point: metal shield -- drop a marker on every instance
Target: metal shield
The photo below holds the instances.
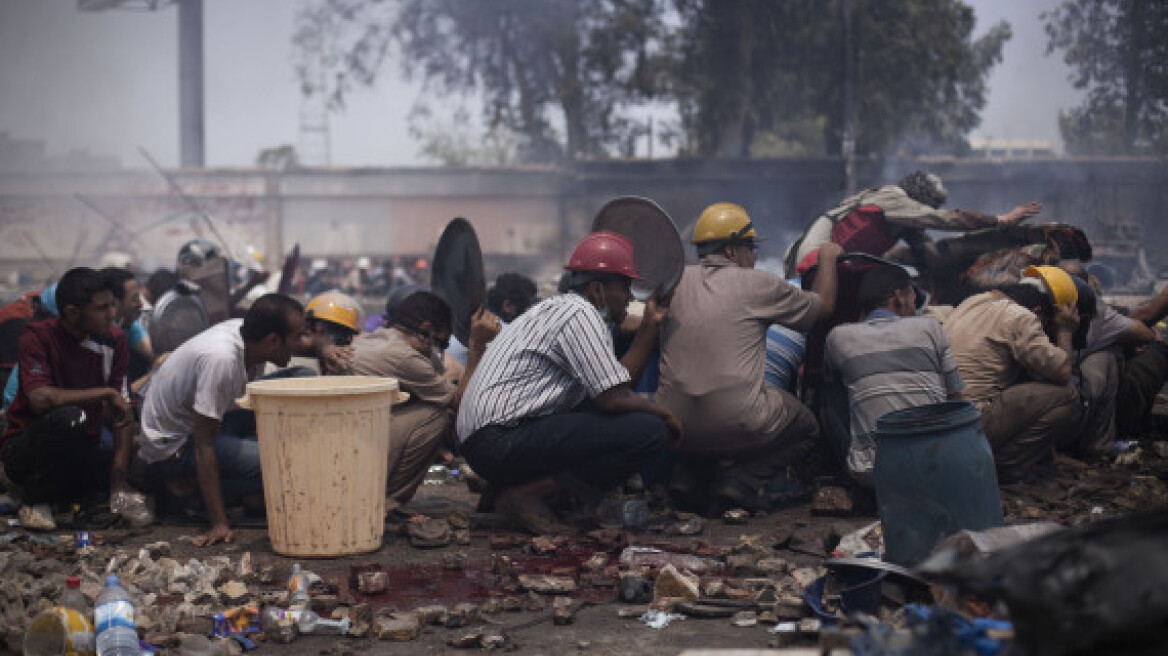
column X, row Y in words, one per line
column 457, row 274
column 657, row 248
column 288, row 273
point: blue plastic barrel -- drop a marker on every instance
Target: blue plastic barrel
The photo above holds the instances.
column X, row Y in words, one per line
column 934, row 477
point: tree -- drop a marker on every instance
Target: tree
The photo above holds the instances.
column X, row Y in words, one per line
column 763, row 72
column 538, row 64
column 1117, row 52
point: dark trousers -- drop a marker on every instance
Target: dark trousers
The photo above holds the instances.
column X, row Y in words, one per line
column 1140, row 380
column 586, row 453
column 54, row 460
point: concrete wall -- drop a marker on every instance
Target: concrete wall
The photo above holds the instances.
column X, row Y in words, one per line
column 520, row 214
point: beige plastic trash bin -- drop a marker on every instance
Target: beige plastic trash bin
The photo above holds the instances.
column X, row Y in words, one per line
column 324, row 446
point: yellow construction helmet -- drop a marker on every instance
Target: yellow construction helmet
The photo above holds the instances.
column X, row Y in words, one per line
column 338, row 308
column 1058, row 283
column 723, row 222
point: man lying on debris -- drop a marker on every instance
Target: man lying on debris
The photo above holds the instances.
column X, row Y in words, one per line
column 72, row 378
column 410, row 350
column 741, row 436
column 1017, row 375
column 1122, row 362
column 550, row 408
column 873, row 220
column 890, row 360
column 191, row 391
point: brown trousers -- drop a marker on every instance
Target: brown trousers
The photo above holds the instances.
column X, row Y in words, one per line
column 417, row 432
column 1025, row 421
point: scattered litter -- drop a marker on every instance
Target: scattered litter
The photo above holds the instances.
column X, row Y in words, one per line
column 656, row 619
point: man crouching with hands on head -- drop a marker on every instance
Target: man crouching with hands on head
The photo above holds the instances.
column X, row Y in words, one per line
column 551, row 409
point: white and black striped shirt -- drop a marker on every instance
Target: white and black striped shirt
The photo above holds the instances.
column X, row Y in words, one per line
column 549, row 360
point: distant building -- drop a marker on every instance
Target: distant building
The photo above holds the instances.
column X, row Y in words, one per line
column 989, row 148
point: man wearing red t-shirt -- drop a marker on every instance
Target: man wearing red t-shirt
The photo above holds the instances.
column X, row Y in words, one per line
column 72, row 369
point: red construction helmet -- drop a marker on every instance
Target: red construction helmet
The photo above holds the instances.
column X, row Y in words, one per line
column 604, row 252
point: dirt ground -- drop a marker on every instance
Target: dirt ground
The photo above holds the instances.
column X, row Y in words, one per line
column 1071, row 496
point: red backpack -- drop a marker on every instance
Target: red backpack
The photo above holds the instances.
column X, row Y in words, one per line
column 863, row 230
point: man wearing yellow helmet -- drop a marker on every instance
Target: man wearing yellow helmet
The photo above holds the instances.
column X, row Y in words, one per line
column 741, row 436
column 1014, row 371
column 335, row 318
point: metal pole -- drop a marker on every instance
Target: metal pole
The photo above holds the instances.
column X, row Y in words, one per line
column 190, row 82
column 848, row 146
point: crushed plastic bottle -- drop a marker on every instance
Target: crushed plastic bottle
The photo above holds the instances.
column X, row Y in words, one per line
column 114, row 621
column 306, row 621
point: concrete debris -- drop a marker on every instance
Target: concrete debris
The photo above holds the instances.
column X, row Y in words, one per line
column 396, row 628
column 805, row 576
column 736, row 516
column 1131, row 458
column 456, row 560
column 550, row 585
column 832, row 501
column 636, row 557
column 435, row 615
column 372, row 583
column 534, row 603
column 746, row 618
column 463, row 615
column 692, row 526
column 233, row 593
column 564, row 611
column 429, row 534
column 672, row 583
column 597, row 562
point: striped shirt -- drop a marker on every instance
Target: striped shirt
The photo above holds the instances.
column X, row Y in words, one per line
column 888, row 363
column 549, row 360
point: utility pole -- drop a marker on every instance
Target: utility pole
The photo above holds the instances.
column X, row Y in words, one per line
column 848, row 145
column 190, row 83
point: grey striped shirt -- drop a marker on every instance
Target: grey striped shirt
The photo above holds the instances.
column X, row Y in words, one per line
column 549, row 360
column 888, row 364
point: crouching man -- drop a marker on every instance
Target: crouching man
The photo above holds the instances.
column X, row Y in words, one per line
column 195, row 387
column 410, row 350
column 550, row 408
column 72, row 377
column 1014, row 371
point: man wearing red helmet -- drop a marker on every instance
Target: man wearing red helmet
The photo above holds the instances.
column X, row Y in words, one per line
column 550, row 408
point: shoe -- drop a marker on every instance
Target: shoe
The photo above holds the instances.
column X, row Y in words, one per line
column 529, row 512
column 37, row 518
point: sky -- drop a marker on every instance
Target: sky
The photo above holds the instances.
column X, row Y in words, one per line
column 106, row 82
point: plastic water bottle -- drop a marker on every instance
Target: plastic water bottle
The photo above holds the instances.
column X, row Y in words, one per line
column 298, row 588
column 72, row 598
column 309, row 622
column 114, row 621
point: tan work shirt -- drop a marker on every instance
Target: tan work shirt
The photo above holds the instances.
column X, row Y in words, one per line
column 385, row 352
column 713, row 353
column 993, row 340
column 900, row 211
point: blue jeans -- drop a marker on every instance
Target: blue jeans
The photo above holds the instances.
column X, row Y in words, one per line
column 239, row 466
